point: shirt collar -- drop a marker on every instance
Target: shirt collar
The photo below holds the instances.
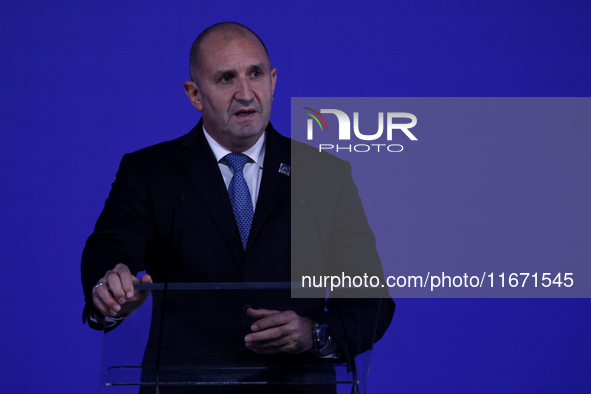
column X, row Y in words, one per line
column 256, row 153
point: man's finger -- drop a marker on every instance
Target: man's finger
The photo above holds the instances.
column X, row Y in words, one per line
column 127, row 280
column 113, row 280
column 274, row 320
column 104, row 294
column 112, row 304
column 283, row 344
column 99, row 304
column 146, row 279
column 260, row 313
column 105, row 301
column 271, row 334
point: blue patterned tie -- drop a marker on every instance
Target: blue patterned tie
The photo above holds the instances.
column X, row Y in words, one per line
column 240, row 195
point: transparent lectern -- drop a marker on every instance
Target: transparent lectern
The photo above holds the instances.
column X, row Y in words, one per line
column 189, row 338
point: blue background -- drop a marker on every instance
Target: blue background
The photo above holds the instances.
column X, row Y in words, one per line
column 83, row 83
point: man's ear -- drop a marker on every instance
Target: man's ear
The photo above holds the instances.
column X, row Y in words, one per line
column 273, row 81
column 194, row 94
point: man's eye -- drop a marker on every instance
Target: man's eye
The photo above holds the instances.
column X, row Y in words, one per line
column 256, row 73
column 226, row 78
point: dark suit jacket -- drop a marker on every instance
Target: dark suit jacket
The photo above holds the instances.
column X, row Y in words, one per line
column 135, row 229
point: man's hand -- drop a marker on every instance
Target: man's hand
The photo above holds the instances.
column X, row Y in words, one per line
column 122, row 300
column 279, row 332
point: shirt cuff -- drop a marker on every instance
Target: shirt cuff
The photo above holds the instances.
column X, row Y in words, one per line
column 98, row 317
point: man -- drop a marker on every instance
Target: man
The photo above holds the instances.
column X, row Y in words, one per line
column 215, row 206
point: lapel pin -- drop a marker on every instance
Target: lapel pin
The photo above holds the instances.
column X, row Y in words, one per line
column 284, row 169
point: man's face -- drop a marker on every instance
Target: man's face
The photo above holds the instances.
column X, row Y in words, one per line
column 235, row 85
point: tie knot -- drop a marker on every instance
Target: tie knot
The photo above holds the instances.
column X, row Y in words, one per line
column 236, row 161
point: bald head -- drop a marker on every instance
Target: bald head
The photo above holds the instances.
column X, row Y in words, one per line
column 230, row 32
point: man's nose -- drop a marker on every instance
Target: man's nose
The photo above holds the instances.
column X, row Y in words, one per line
column 244, row 92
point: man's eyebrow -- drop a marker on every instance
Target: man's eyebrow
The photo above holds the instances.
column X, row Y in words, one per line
column 231, row 72
column 258, row 66
column 220, row 73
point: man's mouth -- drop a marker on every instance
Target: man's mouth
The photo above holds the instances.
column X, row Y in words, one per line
column 244, row 112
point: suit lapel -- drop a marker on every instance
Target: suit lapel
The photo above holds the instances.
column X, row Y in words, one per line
column 273, row 184
column 200, row 166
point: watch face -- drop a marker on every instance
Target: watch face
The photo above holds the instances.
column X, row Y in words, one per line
column 321, row 337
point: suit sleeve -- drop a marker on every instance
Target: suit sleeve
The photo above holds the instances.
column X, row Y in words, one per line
column 357, row 318
column 122, row 233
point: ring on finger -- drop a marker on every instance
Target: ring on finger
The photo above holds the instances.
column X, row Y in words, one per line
column 99, row 284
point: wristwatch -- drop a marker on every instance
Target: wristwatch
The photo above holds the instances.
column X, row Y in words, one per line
column 320, row 335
